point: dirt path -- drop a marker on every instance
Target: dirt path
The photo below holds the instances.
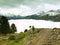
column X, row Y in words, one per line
column 40, row 38
column 43, row 36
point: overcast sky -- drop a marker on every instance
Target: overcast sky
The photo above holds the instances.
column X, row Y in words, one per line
column 27, row 7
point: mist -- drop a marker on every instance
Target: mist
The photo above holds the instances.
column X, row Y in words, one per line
column 27, row 7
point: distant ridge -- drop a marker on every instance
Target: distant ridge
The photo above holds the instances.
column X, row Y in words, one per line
column 40, row 16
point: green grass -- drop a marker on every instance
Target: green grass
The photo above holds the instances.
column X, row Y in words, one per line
column 20, row 39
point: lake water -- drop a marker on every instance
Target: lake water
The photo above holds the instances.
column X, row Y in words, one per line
column 23, row 24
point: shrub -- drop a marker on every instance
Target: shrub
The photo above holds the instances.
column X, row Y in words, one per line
column 25, row 30
column 21, row 35
column 12, row 37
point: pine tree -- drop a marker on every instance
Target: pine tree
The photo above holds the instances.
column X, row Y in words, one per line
column 0, row 26
column 5, row 28
column 13, row 28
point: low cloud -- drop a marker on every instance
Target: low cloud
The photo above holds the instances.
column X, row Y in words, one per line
column 25, row 10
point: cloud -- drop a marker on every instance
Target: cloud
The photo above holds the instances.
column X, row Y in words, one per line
column 51, row 7
column 25, row 10
column 14, row 3
column 20, row 10
column 47, row 7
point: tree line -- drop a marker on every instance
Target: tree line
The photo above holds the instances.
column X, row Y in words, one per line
column 5, row 28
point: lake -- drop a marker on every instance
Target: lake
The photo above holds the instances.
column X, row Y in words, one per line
column 22, row 24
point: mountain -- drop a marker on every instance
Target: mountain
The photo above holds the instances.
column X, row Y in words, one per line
column 53, row 12
column 53, row 15
column 13, row 17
